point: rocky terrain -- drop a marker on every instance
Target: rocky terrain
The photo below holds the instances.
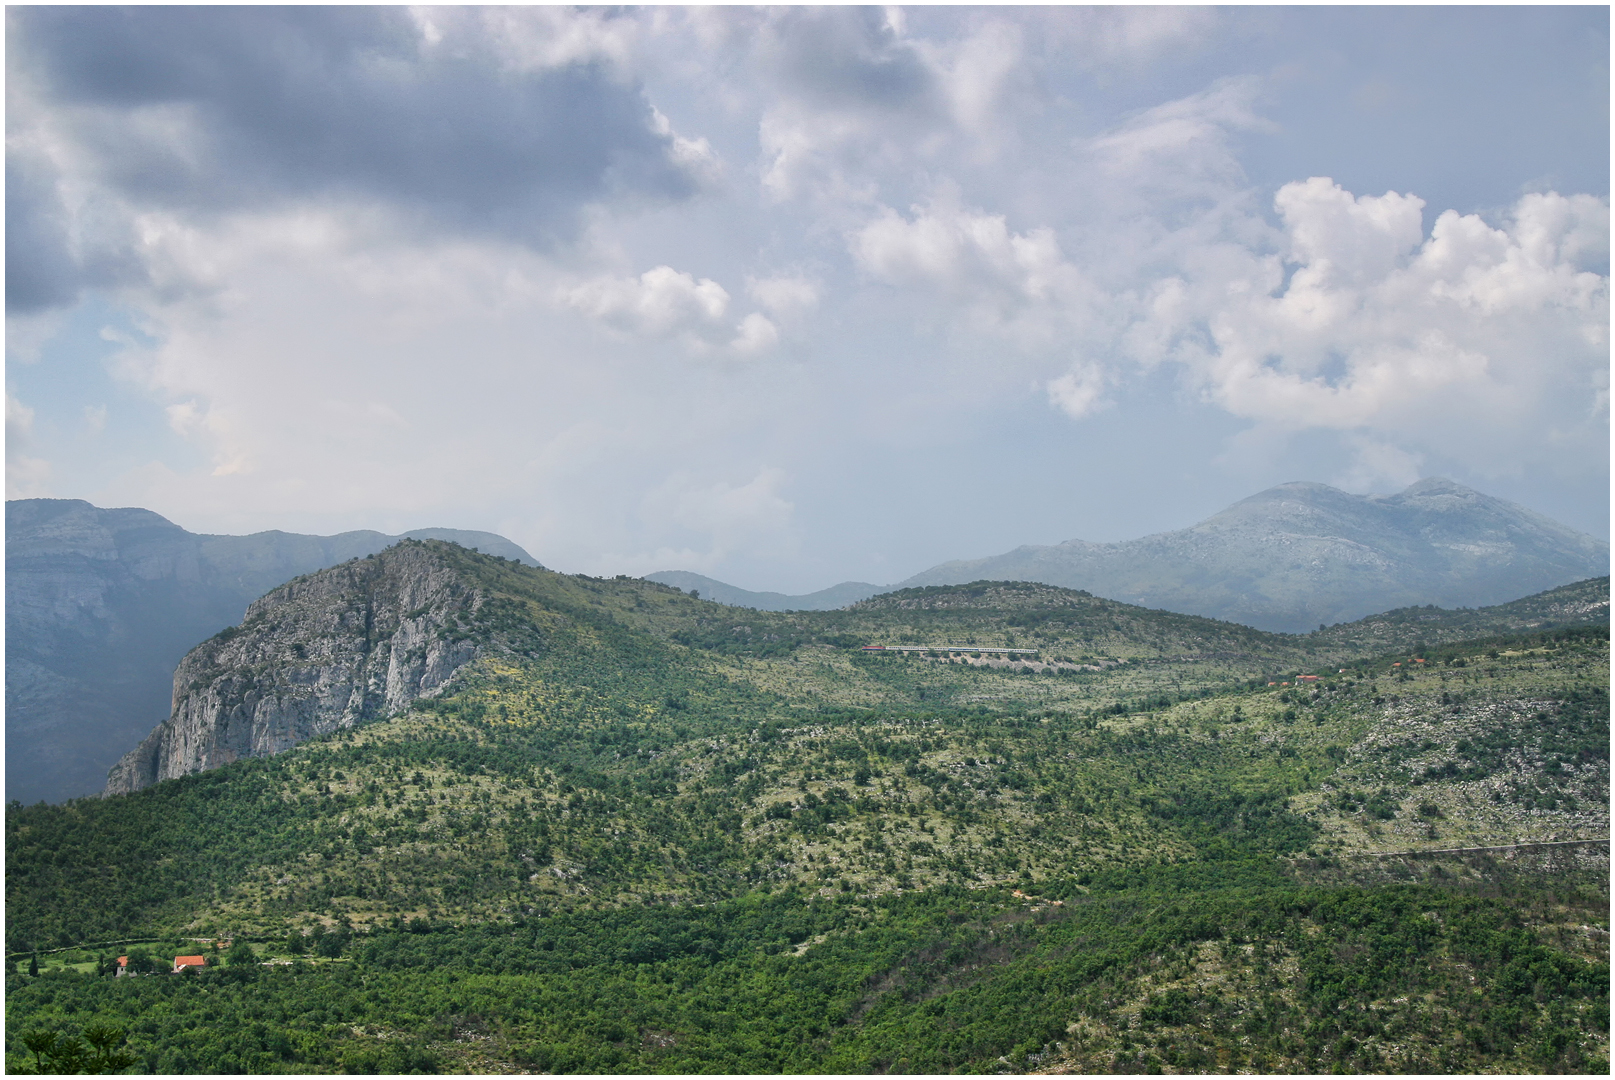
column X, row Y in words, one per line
column 1302, row 555
column 323, row 652
column 102, row 603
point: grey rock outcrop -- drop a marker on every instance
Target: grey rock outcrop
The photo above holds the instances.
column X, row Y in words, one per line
column 102, row 603
column 1299, row 555
column 351, row 643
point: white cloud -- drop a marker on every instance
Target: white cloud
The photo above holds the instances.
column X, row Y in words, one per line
column 1181, row 147
column 667, row 303
column 1467, row 340
column 1079, row 392
column 27, row 476
column 966, row 255
column 754, row 336
column 695, row 156
column 659, row 302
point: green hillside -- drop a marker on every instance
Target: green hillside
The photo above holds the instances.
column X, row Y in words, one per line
column 643, row 822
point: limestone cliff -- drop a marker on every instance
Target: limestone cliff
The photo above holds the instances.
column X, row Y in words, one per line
column 102, row 604
column 350, row 643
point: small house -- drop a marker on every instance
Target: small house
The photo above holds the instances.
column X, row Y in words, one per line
column 183, row 962
column 123, row 966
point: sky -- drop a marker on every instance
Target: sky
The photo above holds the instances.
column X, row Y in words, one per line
column 795, row 296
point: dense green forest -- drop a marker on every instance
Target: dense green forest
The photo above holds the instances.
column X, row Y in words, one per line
column 648, row 833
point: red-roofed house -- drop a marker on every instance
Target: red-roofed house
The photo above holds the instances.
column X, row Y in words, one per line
column 183, row 962
column 123, row 966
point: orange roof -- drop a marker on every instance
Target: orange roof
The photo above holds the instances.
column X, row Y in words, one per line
column 190, row 961
column 123, row 961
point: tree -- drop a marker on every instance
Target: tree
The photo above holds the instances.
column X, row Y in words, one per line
column 240, row 955
column 39, row 1043
column 33, row 965
column 108, row 1041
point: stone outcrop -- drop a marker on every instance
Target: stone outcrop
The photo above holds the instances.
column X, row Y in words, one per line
column 101, row 604
column 351, row 643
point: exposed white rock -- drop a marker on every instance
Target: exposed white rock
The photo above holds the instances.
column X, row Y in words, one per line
column 326, row 651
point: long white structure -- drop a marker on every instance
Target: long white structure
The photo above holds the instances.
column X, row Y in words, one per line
column 940, row 648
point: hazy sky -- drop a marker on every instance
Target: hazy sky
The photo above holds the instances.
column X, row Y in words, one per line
column 801, row 295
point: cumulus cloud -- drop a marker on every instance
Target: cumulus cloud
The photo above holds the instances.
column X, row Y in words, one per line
column 961, row 250
column 1466, row 338
column 667, row 303
column 660, row 301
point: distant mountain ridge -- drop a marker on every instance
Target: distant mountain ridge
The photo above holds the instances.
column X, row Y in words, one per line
column 836, row 596
column 101, row 604
column 1301, row 555
column 1287, row 559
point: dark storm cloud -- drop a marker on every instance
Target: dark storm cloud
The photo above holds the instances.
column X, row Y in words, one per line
column 218, row 109
column 851, row 58
column 40, row 272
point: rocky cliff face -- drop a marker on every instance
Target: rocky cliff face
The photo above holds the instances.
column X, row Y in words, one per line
column 347, row 644
column 102, row 603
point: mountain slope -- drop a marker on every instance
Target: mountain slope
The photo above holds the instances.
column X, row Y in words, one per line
column 100, row 606
column 836, row 596
column 640, row 831
column 1300, row 555
column 526, row 788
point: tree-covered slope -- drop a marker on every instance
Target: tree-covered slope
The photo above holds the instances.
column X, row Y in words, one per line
column 645, row 832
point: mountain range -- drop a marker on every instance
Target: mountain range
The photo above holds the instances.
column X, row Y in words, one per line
column 1288, row 559
column 101, row 604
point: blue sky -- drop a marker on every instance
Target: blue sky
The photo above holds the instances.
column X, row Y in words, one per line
column 794, row 296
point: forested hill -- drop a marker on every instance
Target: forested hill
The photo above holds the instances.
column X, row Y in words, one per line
column 642, row 832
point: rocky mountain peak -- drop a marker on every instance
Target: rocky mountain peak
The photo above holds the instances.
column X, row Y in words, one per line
column 325, row 651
